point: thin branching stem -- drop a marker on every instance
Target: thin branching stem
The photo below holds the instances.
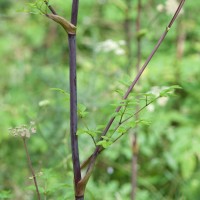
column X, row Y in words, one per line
column 50, row 7
column 86, row 126
column 161, row 39
column 134, row 142
column 142, row 108
column 136, row 113
column 121, row 117
column 31, row 168
column 127, row 119
column 93, row 157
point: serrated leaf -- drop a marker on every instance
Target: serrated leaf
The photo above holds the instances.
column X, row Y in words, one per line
column 91, row 132
column 106, row 137
column 169, row 91
column 100, row 142
column 176, row 87
column 100, row 127
column 81, row 131
column 131, row 124
column 126, row 81
column 82, row 107
column 120, row 92
column 122, row 130
column 88, row 132
column 143, row 122
column 105, row 144
column 67, row 95
column 82, row 110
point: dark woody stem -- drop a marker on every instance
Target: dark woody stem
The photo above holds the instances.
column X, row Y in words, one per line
column 73, row 103
column 73, row 98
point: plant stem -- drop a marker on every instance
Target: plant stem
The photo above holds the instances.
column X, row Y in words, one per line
column 134, row 142
column 145, row 65
column 50, row 7
column 134, row 114
column 73, row 101
column 93, row 157
column 128, row 33
column 73, row 108
column 31, row 168
column 80, row 198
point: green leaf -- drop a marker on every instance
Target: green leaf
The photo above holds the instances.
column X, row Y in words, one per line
column 171, row 161
column 115, row 114
column 5, row 194
column 91, row 132
column 81, row 107
column 120, row 92
column 169, row 91
column 82, row 110
column 122, row 130
column 126, row 81
column 188, row 165
column 131, row 124
column 143, row 122
column 67, row 95
column 105, row 144
column 81, row 132
column 99, row 127
column 37, row 7
column 88, row 132
column 106, row 138
column 142, row 33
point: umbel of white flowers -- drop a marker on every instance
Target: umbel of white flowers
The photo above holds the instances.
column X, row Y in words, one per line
column 23, row 130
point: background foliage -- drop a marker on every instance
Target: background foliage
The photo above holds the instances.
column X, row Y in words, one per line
column 34, row 57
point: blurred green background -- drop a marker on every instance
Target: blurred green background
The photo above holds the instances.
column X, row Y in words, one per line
column 34, row 59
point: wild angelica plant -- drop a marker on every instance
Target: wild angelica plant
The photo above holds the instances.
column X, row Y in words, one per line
column 25, row 132
column 105, row 139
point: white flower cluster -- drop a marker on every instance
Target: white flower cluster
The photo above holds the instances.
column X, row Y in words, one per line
column 170, row 7
column 162, row 101
column 24, row 130
column 111, row 46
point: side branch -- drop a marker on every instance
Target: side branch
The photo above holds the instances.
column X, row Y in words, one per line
column 98, row 149
column 50, row 7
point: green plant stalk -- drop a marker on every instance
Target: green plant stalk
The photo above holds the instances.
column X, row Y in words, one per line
column 31, row 168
